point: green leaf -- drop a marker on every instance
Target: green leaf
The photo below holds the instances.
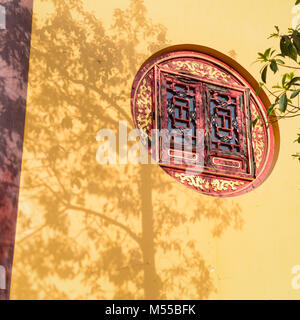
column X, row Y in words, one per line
column 293, row 53
column 284, row 45
column 296, row 40
column 295, row 93
column 264, row 74
column 270, row 109
column 273, row 66
column 283, row 102
column 291, row 75
column 275, row 34
column 297, row 155
column 279, row 61
column 261, row 56
column 287, row 48
column 267, row 53
column 293, row 81
column 283, row 79
column 297, row 2
column 277, row 86
column 264, row 56
column 257, row 91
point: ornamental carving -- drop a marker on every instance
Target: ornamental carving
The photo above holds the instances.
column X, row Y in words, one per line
column 202, row 109
column 258, row 140
column 144, row 106
column 204, row 184
column 193, row 180
column 201, row 69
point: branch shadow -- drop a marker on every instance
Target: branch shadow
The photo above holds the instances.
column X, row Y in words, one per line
column 91, row 231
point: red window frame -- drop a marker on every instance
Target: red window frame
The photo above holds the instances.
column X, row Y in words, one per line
column 237, row 162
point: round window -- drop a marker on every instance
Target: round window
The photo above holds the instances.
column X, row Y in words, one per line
column 195, row 113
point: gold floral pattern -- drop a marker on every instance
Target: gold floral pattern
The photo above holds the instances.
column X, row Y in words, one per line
column 203, row 184
column 224, row 185
column 257, row 137
column 193, row 180
column 202, row 70
column 144, row 102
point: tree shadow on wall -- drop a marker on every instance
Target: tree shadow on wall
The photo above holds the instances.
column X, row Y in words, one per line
column 100, row 228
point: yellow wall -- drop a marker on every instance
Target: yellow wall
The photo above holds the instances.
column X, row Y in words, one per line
column 83, row 228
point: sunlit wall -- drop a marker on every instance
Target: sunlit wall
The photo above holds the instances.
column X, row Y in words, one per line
column 129, row 231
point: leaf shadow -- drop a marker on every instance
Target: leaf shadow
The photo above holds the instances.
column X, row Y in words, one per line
column 91, row 231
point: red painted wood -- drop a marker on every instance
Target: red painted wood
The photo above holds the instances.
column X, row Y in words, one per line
column 14, row 60
column 228, row 167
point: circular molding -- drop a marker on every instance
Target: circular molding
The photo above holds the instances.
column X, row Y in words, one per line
column 229, row 168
